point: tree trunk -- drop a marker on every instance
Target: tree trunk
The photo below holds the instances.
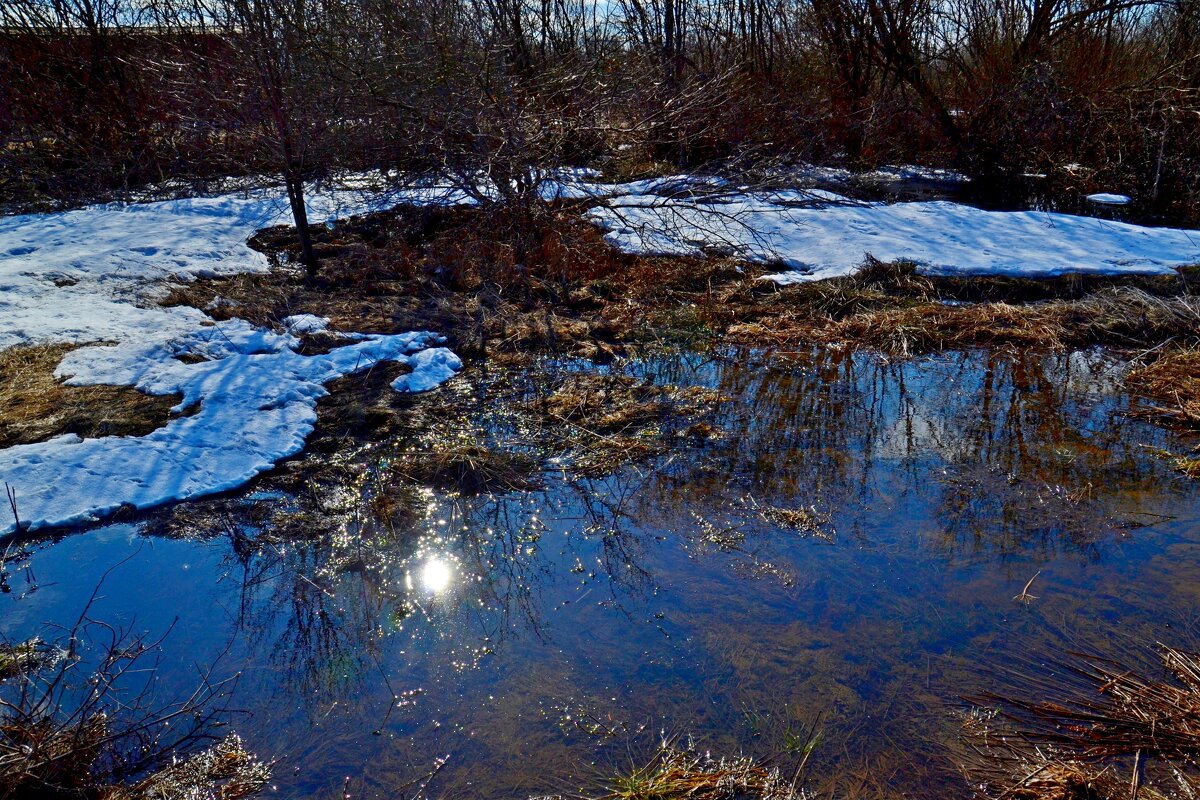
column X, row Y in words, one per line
column 295, row 191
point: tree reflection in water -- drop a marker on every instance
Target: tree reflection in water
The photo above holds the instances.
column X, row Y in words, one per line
column 846, row 548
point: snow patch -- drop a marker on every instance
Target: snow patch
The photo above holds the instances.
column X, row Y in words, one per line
column 249, row 399
column 816, row 235
column 305, row 323
column 254, row 404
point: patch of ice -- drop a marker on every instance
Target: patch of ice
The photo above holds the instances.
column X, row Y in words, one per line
column 1106, row 199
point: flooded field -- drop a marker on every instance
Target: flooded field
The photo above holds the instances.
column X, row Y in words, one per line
column 828, row 554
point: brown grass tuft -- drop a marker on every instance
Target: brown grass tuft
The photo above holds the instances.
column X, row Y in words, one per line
column 225, row 771
column 471, row 469
column 1099, row 729
column 676, row 774
column 35, row 406
column 1172, row 383
column 939, row 327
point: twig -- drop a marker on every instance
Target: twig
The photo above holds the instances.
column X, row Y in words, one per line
column 1025, row 597
column 11, row 492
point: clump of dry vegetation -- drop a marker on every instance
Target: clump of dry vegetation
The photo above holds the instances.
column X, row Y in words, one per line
column 619, row 403
column 906, row 317
column 1099, row 730
column 35, row 405
column 471, row 469
column 676, row 773
column 224, row 771
column 808, row 521
column 601, row 422
column 79, row 720
column 1172, row 382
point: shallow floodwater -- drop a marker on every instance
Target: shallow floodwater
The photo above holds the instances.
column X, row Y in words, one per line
column 532, row 642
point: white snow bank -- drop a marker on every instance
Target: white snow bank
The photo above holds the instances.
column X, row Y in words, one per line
column 90, row 275
column 831, row 237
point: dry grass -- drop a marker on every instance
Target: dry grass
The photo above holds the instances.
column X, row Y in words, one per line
column 676, row 774
column 1121, row 316
column 471, row 469
column 37, row 754
column 1172, row 383
column 940, row 327
column 1127, row 712
column 617, row 403
column 808, row 521
column 225, row 771
column 1189, row 466
column 1099, row 729
column 602, row 422
column 35, row 406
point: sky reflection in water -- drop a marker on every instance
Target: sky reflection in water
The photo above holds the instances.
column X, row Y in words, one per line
column 528, row 635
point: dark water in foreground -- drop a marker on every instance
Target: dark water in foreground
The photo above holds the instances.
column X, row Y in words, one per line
column 536, row 640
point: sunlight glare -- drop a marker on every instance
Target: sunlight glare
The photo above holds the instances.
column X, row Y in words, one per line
column 436, row 575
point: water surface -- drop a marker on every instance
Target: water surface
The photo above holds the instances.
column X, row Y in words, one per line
column 530, row 642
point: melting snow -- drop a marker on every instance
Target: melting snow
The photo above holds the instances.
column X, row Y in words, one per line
column 816, row 235
column 91, row 276
column 249, row 400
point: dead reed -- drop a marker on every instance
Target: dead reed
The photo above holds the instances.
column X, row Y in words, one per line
column 1172, row 383
column 1095, row 730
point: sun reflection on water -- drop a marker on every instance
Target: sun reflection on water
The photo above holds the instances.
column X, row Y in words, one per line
column 436, row 575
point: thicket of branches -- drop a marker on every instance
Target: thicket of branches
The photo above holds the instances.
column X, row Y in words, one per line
column 101, row 95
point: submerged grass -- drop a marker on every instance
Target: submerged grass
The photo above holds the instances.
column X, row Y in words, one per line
column 25, row 657
column 1098, row 729
column 35, row 405
column 602, row 422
